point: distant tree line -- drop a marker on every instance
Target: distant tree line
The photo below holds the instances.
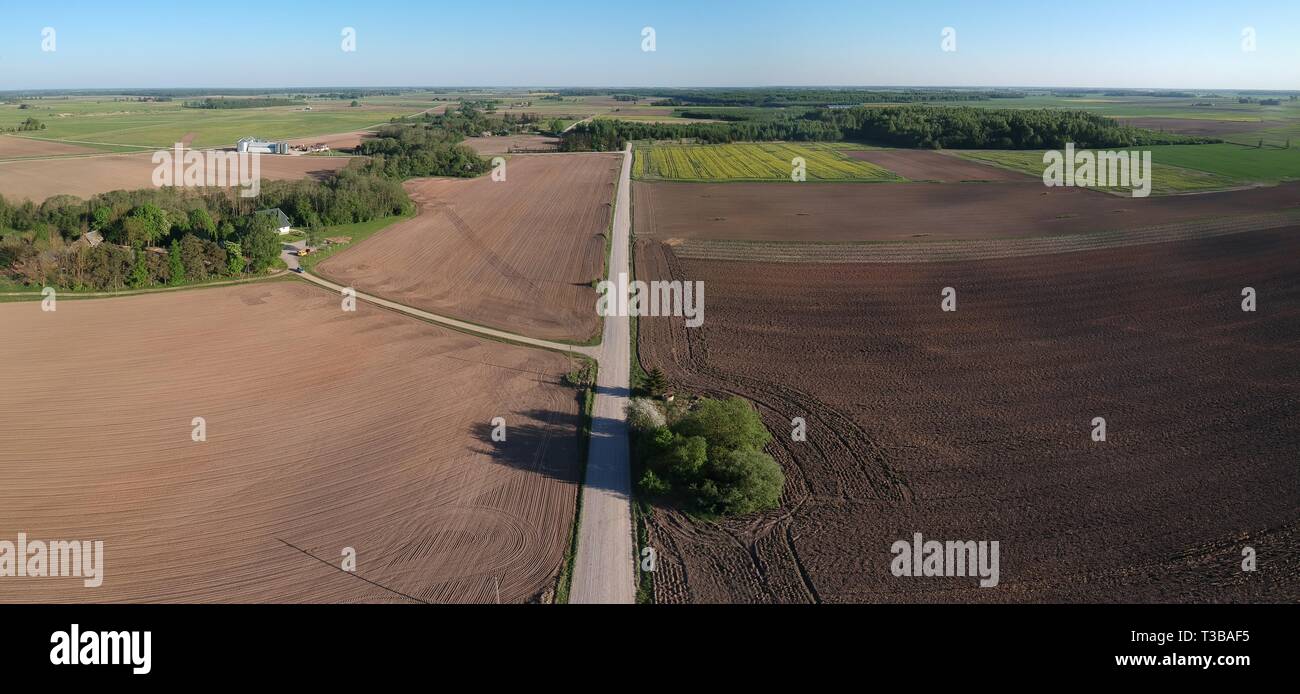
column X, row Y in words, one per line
column 918, row 126
column 1151, row 93
column 169, row 236
column 795, row 96
column 224, row 103
column 356, row 94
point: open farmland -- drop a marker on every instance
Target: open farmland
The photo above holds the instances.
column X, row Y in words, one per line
column 325, row 430
column 1267, row 165
column 752, row 161
column 38, row 179
column 1166, row 178
column 109, row 125
column 488, row 146
column 975, row 425
column 1204, row 127
column 14, row 147
column 926, row 165
column 833, row 212
column 519, row 254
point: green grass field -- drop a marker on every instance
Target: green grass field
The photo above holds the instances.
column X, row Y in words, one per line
column 359, row 232
column 107, row 125
column 1166, row 178
column 751, row 161
column 1250, row 164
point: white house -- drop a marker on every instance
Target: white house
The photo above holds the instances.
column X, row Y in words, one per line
column 281, row 219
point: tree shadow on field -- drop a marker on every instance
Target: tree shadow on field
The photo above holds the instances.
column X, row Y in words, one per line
column 323, row 175
column 549, row 443
column 541, row 441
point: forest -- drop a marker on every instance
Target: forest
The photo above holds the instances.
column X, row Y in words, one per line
column 407, row 150
column 171, row 236
column 913, row 126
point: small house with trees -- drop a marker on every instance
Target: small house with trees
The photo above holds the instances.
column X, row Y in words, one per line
column 279, row 217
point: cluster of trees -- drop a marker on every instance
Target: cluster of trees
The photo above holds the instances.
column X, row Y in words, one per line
column 110, row 266
column 30, row 124
column 918, row 126
column 167, row 236
column 406, row 151
column 224, row 103
column 709, row 460
column 473, row 118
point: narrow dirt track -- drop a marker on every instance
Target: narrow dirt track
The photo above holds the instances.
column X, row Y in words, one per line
column 603, row 570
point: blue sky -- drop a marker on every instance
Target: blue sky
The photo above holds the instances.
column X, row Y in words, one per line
column 1105, row 43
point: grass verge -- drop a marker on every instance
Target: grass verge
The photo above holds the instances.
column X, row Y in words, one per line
column 564, row 583
column 359, row 232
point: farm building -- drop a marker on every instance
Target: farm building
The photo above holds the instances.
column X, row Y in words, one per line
column 281, row 219
column 90, row 239
column 256, row 146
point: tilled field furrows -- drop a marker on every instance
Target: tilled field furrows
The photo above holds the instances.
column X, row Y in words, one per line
column 519, row 254
column 843, row 212
column 324, row 430
column 925, row 165
column 975, row 249
column 975, row 424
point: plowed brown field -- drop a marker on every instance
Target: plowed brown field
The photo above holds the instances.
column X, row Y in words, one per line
column 975, row 425
column 325, row 430
column 924, row 165
column 903, row 211
column 38, row 179
column 12, row 147
column 518, row 254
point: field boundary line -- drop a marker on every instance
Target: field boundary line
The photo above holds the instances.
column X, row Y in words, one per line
column 974, row 249
column 456, row 323
column 68, row 294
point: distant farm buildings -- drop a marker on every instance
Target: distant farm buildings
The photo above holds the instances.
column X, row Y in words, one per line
column 253, row 145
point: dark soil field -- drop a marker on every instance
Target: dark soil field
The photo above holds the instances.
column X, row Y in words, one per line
column 975, row 424
column 903, row 211
column 924, row 165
